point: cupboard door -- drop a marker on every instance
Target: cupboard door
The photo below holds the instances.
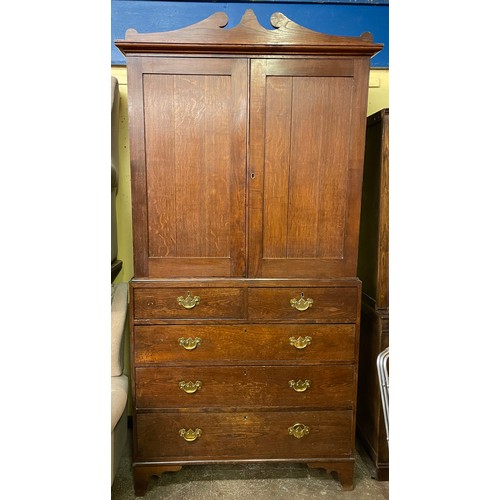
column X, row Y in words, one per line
column 307, row 122
column 188, row 161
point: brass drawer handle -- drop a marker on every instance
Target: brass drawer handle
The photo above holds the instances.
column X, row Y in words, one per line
column 190, row 387
column 190, row 435
column 298, row 430
column 301, row 342
column 189, row 344
column 188, row 302
column 299, row 386
column 301, row 304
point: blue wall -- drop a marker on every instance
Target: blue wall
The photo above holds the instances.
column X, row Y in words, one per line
column 335, row 17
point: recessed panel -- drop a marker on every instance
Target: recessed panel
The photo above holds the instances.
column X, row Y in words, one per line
column 187, row 119
column 306, row 166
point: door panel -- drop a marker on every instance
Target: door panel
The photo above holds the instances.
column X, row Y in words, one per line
column 194, row 164
column 305, row 175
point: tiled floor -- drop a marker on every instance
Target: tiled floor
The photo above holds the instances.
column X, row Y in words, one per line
column 251, row 482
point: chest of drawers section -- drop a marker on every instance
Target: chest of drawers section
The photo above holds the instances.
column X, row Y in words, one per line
column 244, row 370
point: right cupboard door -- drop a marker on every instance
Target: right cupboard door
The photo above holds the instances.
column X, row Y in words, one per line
column 307, row 123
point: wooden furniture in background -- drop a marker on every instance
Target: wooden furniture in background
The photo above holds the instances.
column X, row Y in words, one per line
column 374, row 272
column 246, row 159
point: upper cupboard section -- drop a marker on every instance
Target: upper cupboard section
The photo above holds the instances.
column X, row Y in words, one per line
column 246, row 149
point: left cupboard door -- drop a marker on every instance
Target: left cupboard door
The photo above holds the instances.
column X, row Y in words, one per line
column 188, row 165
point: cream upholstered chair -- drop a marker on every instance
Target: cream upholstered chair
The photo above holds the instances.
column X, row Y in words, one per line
column 119, row 381
column 119, row 307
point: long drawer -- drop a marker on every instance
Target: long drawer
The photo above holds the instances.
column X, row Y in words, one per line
column 244, row 435
column 245, row 386
column 225, row 343
column 304, row 304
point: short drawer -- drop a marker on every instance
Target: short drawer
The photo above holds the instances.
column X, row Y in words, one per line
column 224, row 343
column 339, row 304
column 245, row 386
column 244, row 435
column 188, row 303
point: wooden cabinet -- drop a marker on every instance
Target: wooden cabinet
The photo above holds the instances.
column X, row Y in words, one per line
column 247, row 163
column 374, row 271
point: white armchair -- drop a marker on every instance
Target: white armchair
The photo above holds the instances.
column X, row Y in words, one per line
column 119, row 381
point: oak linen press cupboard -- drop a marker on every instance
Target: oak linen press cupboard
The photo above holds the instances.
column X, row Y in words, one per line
column 246, row 161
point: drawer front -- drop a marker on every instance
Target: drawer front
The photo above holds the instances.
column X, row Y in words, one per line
column 252, row 435
column 307, row 304
column 188, row 303
column 245, row 386
column 290, row 343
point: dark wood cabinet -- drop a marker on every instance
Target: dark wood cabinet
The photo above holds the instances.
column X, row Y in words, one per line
column 374, row 272
column 247, row 163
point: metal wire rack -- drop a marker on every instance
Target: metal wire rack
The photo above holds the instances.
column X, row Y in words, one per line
column 383, row 377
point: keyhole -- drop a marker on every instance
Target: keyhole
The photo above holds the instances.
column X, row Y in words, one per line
column 252, row 175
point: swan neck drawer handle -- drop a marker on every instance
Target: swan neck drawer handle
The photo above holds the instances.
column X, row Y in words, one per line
column 190, row 435
column 189, row 344
column 190, row 387
column 300, row 385
column 188, row 302
column 301, row 304
column 301, row 342
column 298, row 430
